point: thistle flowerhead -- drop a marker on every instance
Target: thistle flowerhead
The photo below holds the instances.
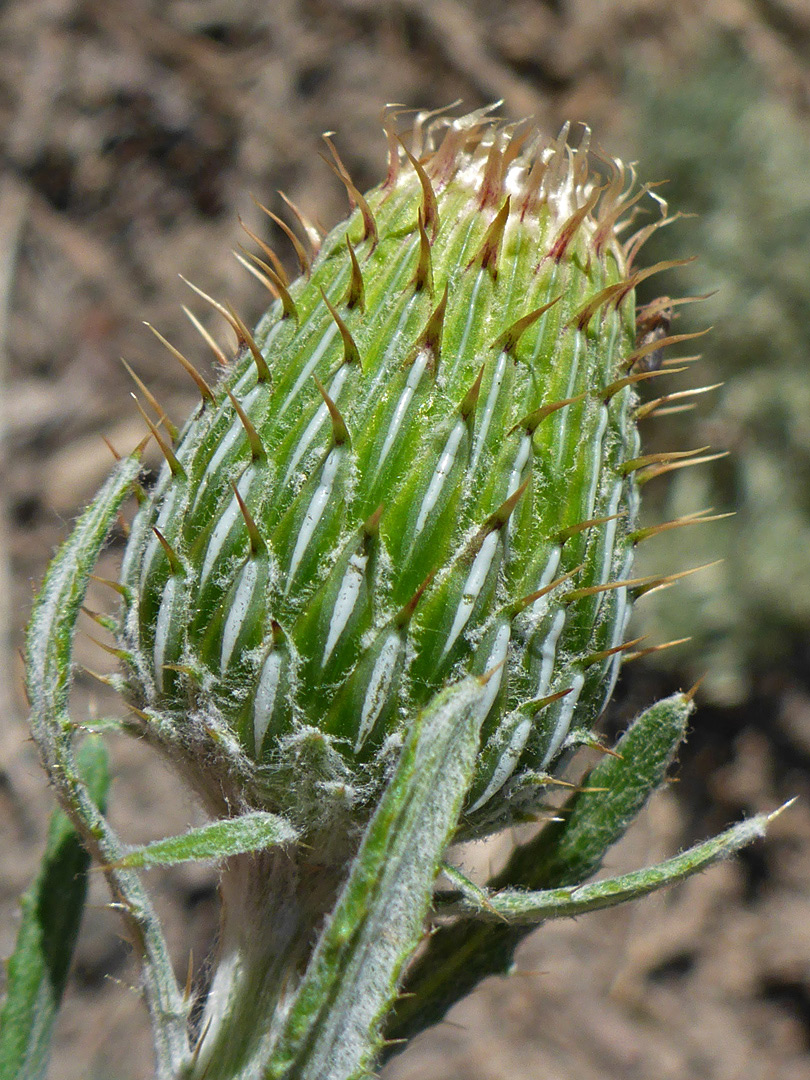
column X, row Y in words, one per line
column 421, row 465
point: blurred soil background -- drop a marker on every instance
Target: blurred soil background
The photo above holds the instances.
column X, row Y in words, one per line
column 134, row 134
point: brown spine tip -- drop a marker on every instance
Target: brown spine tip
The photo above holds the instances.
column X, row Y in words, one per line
column 243, row 335
column 340, row 433
column 278, row 266
column 654, row 584
column 175, row 563
column 573, row 530
column 392, row 144
column 430, row 340
column 206, row 392
column 251, row 265
column 371, row 526
column 536, row 704
column 257, row 544
column 405, row 613
column 470, row 400
column 594, row 590
column 423, row 275
column 650, row 407
column 492, row 180
column 672, row 466
column 351, row 354
column 355, row 198
column 311, row 230
column 154, row 403
column 508, row 340
column 246, row 338
column 176, row 468
column 532, row 421
column 300, row 252
column 499, row 517
column 664, row 458
column 116, row 586
column 273, row 284
column 660, row 343
column 256, row 446
column 111, row 448
column 430, row 206
column 527, row 601
column 356, row 292
column 604, row 654
column 700, row 517
column 219, row 355
column 487, row 254
column 613, row 388
column 602, row 298
column 570, row 228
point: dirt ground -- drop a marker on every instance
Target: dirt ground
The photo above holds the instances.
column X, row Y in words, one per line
column 134, row 134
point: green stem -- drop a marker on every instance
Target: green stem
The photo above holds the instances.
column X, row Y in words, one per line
column 49, row 647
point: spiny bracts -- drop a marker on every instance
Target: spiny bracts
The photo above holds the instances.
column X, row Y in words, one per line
column 422, row 464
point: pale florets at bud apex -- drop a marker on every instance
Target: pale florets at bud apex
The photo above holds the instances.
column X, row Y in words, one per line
column 421, row 465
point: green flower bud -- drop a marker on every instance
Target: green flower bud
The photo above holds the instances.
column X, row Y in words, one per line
column 421, row 465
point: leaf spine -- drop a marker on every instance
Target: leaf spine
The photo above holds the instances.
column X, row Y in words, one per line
column 469, row 402
column 660, row 343
column 174, row 559
column 256, row 446
column 243, row 335
column 423, row 275
column 581, row 526
column 430, row 206
column 355, row 198
column 430, row 340
column 176, row 468
column 570, row 228
column 664, row 457
column 311, row 230
column 630, row 380
column 656, row 649
column 278, row 265
column 219, row 355
column 205, row 390
column 300, row 252
column 487, row 254
column 405, row 613
column 507, row 341
column 351, row 354
column 257, row 544
column 275, row 286
column 701, row 517
column 598, row 657
column 650, row 407
column 356, row 292
column 340, row 433
column 532, row 421
column 155, row 404
column 659, row 470
column 527, row 601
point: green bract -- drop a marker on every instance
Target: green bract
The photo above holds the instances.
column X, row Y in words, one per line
column 378, row 592
column 420, row 466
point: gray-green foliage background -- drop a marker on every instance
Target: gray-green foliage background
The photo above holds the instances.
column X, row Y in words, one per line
column 739, row 159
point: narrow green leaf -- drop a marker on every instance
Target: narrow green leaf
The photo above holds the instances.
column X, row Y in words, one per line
column 332, row 1031
column 233, row 836
column 570, row 849
column 516, row 906
column 564, row 853
column 51, row 913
